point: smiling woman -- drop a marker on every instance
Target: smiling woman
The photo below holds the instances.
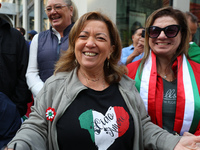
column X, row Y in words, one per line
column 92, row 48
column 46, row 46
column 90, row 103
column 95, row 48
column 168, row 81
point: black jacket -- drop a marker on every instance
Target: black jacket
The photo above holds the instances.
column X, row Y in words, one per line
column 13, row 65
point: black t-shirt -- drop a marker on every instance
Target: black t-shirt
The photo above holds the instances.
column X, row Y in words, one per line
column 96, row 120
column 169, row 104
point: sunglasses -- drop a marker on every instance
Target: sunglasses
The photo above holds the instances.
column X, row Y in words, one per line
column 170, row 31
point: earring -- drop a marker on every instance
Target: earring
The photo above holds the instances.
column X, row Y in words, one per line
column 75, row 61
column 108, row 63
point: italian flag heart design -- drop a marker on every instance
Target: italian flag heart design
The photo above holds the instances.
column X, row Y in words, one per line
column 105, row 129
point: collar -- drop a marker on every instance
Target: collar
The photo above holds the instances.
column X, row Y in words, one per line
column 66, row 31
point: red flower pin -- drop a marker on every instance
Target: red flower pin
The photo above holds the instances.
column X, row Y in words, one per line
column 50, row 113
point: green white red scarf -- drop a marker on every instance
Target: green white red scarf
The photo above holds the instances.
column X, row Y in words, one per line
column 188, row 100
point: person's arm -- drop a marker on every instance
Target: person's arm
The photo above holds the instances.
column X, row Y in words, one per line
column 33, row 134
column 157, row 138
column 32, row 75
column 154, row 137
column 139, row 49
column 188, row 143
column 124, row 55
column 21, row 94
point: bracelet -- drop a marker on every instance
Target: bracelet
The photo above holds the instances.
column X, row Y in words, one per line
column 175, row 133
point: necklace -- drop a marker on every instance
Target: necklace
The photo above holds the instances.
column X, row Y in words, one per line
column 166, row 78
column 93, row 80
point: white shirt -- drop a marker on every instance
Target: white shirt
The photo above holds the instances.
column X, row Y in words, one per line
column 33, row 79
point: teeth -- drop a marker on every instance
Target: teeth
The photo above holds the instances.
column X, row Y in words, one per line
column 162, row 43
column 90, row 54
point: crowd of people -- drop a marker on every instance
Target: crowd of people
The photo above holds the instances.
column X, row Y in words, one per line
column 89, row 90
column 14, row 92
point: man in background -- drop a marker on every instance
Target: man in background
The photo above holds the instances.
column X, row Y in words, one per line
column 135, row 51
column 31, row 34
column 194, row 49
column 14, row 92
column 23, row 32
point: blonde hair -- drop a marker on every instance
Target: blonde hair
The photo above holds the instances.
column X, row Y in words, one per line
column 75, row 13
column 68, row 62
column 75, row 10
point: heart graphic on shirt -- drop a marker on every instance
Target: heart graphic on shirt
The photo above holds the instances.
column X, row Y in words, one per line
column 105, row 129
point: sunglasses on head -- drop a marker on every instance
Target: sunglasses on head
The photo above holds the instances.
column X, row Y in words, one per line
column 170, row 31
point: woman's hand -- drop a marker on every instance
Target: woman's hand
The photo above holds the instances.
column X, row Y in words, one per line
column 188, row 142
column 6, row 148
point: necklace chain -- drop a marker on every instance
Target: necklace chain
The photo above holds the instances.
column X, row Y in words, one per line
column 165, row 77
column 93, row 80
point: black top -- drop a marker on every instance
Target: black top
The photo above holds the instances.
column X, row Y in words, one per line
column 169, row 104
column 13, row 65
column 96, row 120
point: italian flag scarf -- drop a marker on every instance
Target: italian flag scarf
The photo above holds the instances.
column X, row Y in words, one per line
column 188, row 100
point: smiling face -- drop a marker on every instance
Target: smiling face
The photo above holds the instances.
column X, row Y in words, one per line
column 93, row 46
column 162, row 45
column 61, row 18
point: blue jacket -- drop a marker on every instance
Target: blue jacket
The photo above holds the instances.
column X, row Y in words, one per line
column 10, row 120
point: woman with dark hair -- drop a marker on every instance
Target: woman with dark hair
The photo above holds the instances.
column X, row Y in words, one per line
column 168, row 81
column 89, row 103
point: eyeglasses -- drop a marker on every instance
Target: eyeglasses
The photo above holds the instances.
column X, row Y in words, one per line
column 55, row 7
column 170, row 31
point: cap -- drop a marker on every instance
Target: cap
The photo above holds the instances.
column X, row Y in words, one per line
column 33, row 32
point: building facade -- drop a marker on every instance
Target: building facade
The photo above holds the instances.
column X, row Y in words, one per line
column 127, row 14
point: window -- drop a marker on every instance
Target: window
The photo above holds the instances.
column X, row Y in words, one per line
column 133, row 13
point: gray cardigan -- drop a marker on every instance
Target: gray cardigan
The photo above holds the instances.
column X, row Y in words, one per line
column 59, row 91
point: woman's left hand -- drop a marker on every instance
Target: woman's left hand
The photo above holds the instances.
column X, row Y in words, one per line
column 188, row 142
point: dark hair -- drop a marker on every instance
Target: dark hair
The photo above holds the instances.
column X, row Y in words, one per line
column 192, row 17
column 22, row 30
column 135, row 26
column 68, row 62
column 136, row 30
